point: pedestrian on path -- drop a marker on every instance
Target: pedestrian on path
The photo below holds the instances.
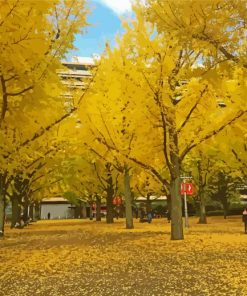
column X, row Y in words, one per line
column 244, row 218
column 168, row 214
column 149, row 216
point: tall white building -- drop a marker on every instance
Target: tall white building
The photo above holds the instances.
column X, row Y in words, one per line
column 75, row 76
column 77, row 72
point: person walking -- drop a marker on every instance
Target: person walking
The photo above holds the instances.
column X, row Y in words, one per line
column 168, row 216
column 149, row 216
column 244, row 218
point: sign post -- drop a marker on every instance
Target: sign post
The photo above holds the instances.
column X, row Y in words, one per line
column 185, row 208
column 186, row 189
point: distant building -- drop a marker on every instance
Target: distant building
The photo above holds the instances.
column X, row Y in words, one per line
column 61, row 208
column 242, row 189
column 154, row 200
column 243, row 199
column 58, row 207
column 76, row 75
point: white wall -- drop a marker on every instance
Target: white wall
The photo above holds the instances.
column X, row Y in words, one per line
column 57, row 211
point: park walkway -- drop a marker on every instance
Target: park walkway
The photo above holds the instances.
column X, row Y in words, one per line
column 80, row 258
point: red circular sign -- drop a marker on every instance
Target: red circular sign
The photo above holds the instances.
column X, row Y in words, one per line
column 117, row 200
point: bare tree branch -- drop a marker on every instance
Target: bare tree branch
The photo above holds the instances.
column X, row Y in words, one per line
column 9, row 13
column 211, row 134
column 99, row 178
column 191, row 111
column 240, row 161
column 4, row 100
column 19, row 92
column 221, row 48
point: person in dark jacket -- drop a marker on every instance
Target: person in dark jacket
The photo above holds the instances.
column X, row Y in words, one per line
column 149, row 216
column 168, row 216
column 244, row 218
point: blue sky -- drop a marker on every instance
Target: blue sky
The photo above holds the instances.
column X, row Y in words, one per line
column 105, row 20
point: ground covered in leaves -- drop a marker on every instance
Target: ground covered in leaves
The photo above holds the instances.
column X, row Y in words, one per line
column 80, row 258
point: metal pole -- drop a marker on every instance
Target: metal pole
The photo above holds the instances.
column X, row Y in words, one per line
column 185, row 207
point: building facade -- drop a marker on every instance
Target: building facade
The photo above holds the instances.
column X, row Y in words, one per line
column 61, row 208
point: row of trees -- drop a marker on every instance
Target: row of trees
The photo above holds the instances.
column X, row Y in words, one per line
column 168, row 100
column 35, row 36
column 157, row 99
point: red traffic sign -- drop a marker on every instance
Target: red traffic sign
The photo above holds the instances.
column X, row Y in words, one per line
column 186, row 188
column 117, row 200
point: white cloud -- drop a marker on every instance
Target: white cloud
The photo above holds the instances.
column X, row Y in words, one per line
column 118, row 6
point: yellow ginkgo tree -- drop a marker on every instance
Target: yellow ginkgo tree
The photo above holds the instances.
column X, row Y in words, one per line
column 35, row 36
column 153, row 103
column 214, row 29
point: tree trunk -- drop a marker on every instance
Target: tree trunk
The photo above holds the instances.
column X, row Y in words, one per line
column 31, row 211
column 128, row 199
column 110, row 209
column 148, row 204
column 176, row 210
column 109, row 197
column 174, row 168
column 121, row 211
column 84, row 211
column 225, row 205
column 225, row 210
column 169, row 207
column 16, row 211
column 25, row 210
column 91, row 211
column 98, row 208
column 80, row 210
column 203, row 217
column 2, row 204
column 2, row 212
column 37, row 211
